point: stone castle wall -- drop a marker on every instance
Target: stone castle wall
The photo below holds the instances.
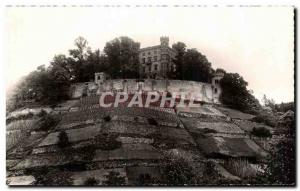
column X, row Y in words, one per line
column 200, row 91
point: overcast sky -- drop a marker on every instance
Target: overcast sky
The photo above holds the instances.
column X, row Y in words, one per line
column 254, row 42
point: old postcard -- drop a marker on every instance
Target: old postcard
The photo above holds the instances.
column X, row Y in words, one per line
column 150, row 95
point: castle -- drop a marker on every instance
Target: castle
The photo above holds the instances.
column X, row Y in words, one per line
column 157, row 61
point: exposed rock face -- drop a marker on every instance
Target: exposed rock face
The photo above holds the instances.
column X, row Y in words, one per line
column 20, row 180
column 287, row 115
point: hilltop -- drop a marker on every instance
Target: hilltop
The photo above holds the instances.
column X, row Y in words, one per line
column 57, row 133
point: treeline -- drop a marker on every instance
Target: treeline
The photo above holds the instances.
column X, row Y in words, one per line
column 120, row 59
column 50, row 85
column 236, row 95
column 190, row 64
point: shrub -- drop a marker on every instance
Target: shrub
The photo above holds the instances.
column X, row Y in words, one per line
column 29, row 115
column 179, row 172
column 107, row 141
column 47, row 176
column 91, row 181
column 284, row 107
column 147, row 179
column 135, row 119
column 152, row 121
column 88, row 152
column 207, row 130
column 73, row 166
column 210, row 175
column 261, row 132
column 161, row 141
column 144, row 179
column 114, row 179
column 9, row 120
column 63, row 140
column 52, row 179
column 48, row 122
column 281, row 165
column 240, row 167
column 107, row 118
column 43, row 113
column 264, row 119
column 280, row 168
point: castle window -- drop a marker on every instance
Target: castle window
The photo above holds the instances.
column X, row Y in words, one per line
column 216, row 81
column 155, row 67
column 149, row 53
column 167, row 57
column 216, row 90
column 149, row 59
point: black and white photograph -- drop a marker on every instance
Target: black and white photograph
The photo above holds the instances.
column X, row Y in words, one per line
column 150, row 95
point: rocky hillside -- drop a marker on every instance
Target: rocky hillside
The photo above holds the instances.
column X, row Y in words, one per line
column 79, row 143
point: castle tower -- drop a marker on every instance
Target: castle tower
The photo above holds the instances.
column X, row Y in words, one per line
column 216, row 87
column 100, row 77
column 157, row 61
column 164, row 41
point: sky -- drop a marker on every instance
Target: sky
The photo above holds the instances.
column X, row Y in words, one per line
column 256, row 42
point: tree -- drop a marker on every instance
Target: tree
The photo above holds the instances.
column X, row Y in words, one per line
column 41, row 85
column 48, row 88
column 284, row 107
column 84, row 62
column 63, row 140
column 50, row 85
column 78, row 59
column 196, row 67
column 220, row 70
column 41, row 68
column 81, row 48
column 180, row 48
column 268, row 102
column 95, row 62
column 17, row 96
column 236, row 95
column 281, row 166
column 253, row 105
column 122, row 56
column 261, row 132
column 62, row 69
column 191, row 64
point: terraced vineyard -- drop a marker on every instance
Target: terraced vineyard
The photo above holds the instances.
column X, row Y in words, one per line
column 130, row 146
